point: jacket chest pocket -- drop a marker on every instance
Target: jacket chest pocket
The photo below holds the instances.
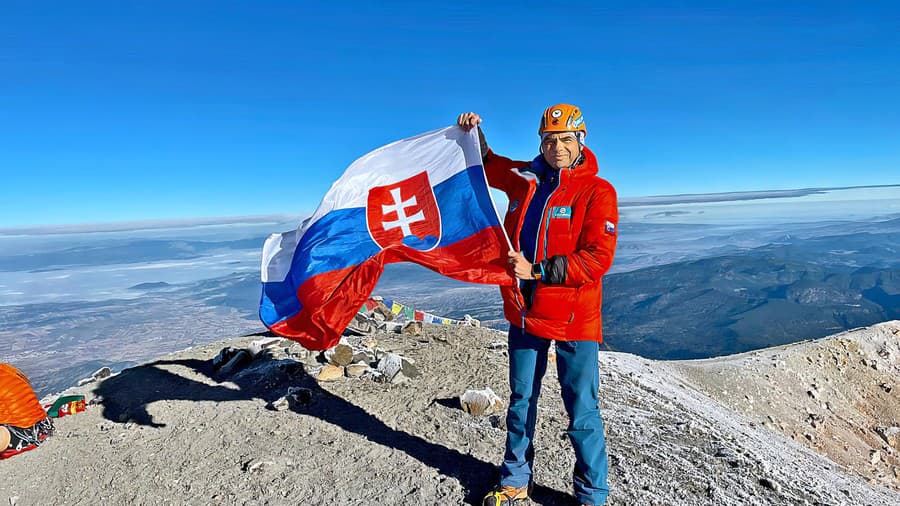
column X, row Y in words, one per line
column 560, row 230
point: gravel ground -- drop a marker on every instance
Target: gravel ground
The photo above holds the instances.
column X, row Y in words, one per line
column 178, row 431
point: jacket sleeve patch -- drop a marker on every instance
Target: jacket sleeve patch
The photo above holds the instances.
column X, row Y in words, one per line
column 610, row 228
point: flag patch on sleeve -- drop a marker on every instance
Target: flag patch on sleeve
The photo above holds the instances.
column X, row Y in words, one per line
column 610, row 227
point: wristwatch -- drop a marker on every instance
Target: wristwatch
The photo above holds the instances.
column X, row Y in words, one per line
column 537, row 270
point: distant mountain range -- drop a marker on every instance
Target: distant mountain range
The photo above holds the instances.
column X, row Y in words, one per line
column 724, row 305
column 742, row 300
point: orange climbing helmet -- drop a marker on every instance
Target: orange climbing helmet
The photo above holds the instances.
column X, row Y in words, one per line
column 562, row 118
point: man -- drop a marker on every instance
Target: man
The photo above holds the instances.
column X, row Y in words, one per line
column 562, row 219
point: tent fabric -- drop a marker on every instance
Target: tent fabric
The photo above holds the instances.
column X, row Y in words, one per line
column 19, row 404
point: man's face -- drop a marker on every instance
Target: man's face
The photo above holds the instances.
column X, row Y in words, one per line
column 560, row 149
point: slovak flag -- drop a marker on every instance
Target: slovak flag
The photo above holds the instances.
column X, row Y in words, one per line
column 423, row 199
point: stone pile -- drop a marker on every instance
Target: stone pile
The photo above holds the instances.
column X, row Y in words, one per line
column 365, row 359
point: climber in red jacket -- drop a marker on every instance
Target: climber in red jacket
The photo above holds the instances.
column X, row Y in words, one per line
column 562, row 219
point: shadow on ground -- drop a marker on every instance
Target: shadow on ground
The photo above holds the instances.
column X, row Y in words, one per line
column 126, row 396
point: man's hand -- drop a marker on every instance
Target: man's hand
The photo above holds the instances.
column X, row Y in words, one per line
column 468, row 121
column 520, row 265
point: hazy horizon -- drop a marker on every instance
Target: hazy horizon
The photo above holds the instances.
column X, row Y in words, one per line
column 213, row 221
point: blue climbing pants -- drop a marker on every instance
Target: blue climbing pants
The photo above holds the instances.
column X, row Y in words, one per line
column 579, row 379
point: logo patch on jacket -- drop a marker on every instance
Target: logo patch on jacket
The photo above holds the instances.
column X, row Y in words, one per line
column 610, row 227
column 513, row 206
column 564, row 212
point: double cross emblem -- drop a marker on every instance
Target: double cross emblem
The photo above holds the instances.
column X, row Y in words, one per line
column 404, row 213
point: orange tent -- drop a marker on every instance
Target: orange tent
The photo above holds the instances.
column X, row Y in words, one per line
column 19, row 404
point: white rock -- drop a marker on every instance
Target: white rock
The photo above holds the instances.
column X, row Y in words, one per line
column 103, row 372
column 874, row 457
column 480, row 402
column 390, row 365
column 256, row 347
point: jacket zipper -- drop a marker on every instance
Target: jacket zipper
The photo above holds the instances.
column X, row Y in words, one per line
column 546, row 220
column 538, row 235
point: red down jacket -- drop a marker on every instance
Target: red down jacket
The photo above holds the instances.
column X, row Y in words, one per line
column 575, row 251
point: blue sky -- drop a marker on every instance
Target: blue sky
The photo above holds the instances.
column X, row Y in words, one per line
column 115, row 111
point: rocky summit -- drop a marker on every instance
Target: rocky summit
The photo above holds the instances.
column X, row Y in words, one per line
column 392, row 418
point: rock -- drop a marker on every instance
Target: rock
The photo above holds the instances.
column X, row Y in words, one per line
column 498, row 345
column 302, row 396
column 770, row 484
column 252, row 467
column 341, row 355
column 874, row 457
column 389, row 326
column 330, row 372
column 408, row 368
column 256, row 347
column 297, row 352
column 357, row 369
column 729, row 455
column 361, row 325
column 365, row 355
column 480, row 402
column 225, row 354
column 13, row 500
column 389, row 365
column 890, row 435
column 370, row 343
column 281, row 404
column 295, row 397
column 102, row 373
column 412, row 328
column 237, row 362
column 384, row 312
column 395, row 369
